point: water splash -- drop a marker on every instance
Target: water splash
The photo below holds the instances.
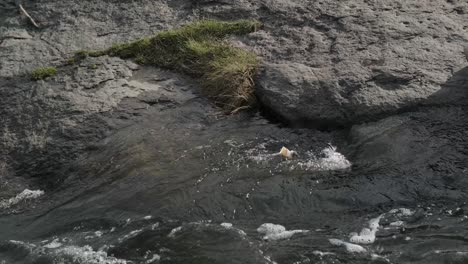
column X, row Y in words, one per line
column 87, row 255
column 67, row 254
column 174, row 231
column 24, row 195
column 350, row 247
column 367, row 235
column 277, row 232
column 330, row 160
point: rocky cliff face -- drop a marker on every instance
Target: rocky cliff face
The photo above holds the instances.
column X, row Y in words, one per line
column 325, row 64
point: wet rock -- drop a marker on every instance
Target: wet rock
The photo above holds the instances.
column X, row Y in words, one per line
column 300, row 93
column 49, row 123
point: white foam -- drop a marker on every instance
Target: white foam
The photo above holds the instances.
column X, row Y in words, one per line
column 54, row 244
column 84, row 254
column 378, row 257
column 269, row 228
column 231, row 227
column 131, row 234
column 155, row 258
column 332, row 160
column 277, row 232
column 174, row 231
column 148, row 217
column 283, row 235
column 321, row 254
column 233, row 143
column 350, row 247
column 397, row 223
column 241, row 232
column 374, row 223
column 367, row 235
column 24, row 195
column 226, row 225
column 87, row 255
column 16, row 242
column 402, row 212
column 266, row 257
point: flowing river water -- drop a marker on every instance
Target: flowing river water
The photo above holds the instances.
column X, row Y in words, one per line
column 183, row 183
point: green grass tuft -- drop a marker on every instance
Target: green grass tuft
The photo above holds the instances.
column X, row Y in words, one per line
column 200, row 50
column 44, row 72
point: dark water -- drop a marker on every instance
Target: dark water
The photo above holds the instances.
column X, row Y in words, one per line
column 158, row 190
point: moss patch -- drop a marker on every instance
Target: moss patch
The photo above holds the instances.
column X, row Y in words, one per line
column 43, row 72
column 200, row 50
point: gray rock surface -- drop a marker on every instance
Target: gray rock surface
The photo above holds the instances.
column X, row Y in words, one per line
column 46, row 124
column 372, row 58
column 362, row 60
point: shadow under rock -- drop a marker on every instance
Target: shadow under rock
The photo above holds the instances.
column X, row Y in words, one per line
column 453, row 92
